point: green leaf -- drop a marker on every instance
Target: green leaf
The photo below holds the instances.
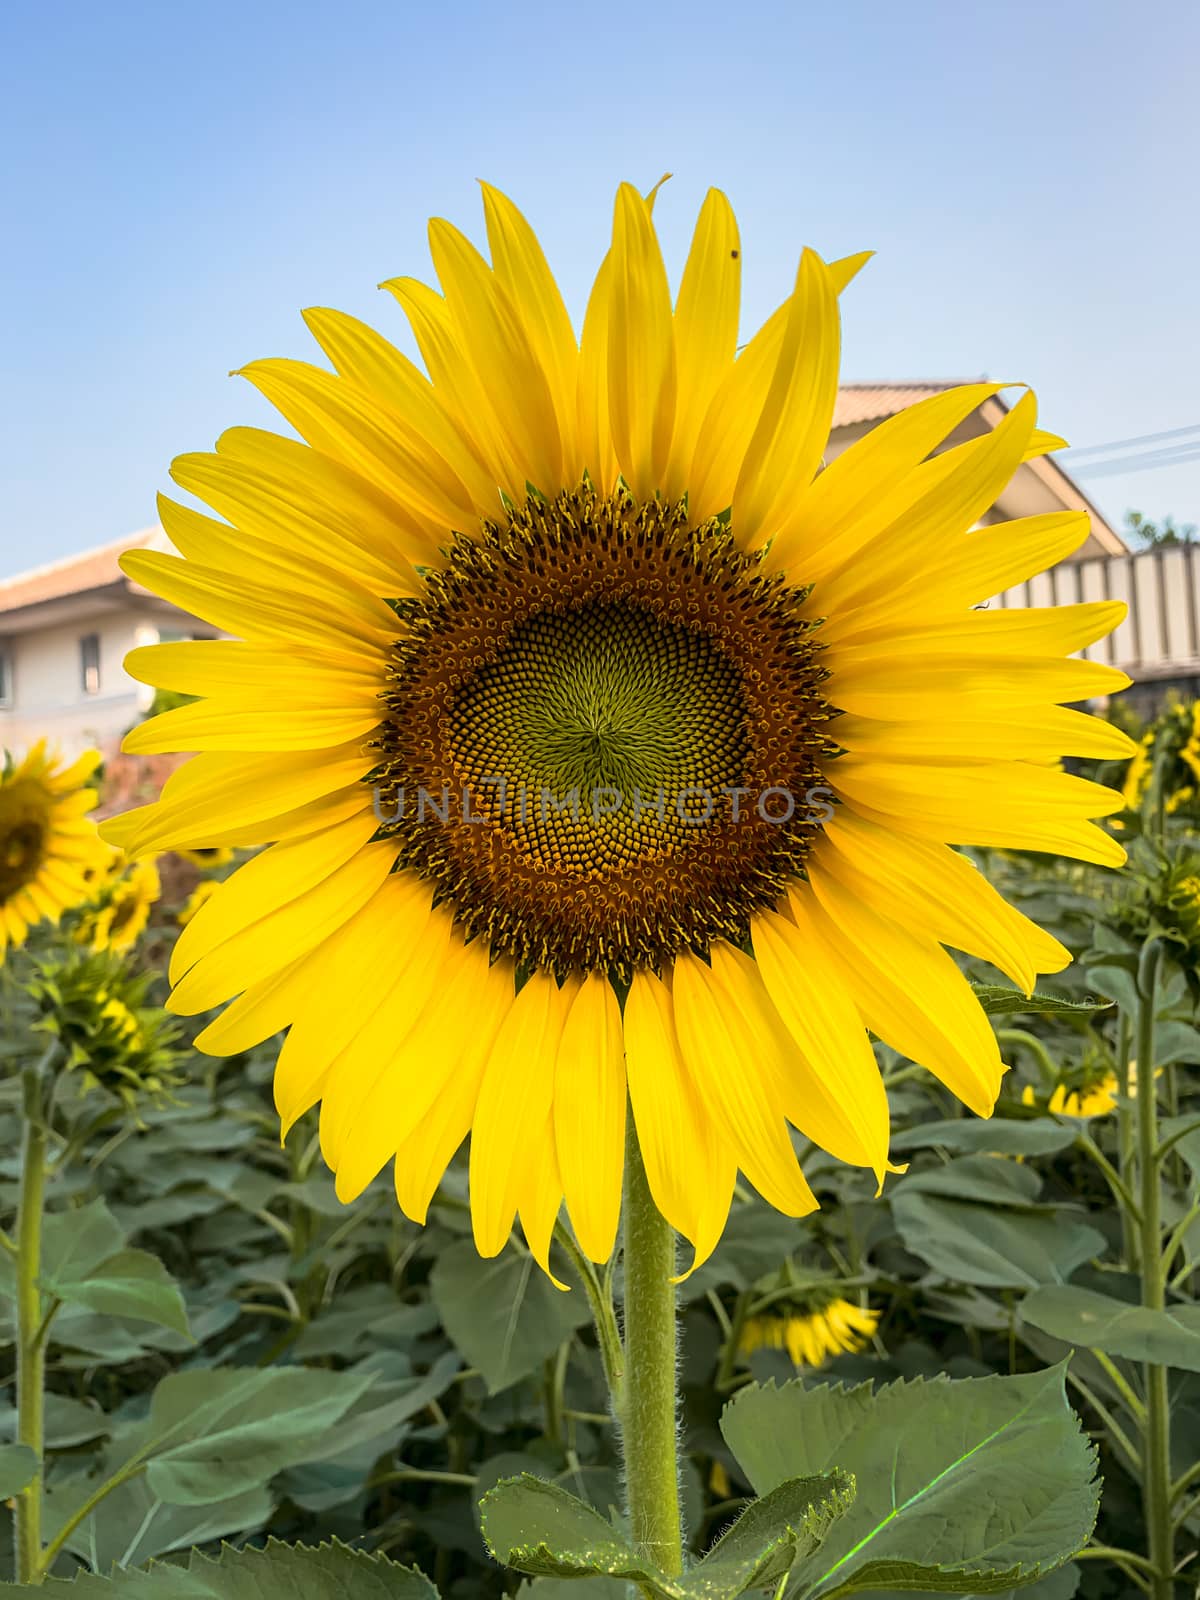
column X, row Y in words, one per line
column 1033, row 1136
column 280, row 1572
column 504, row 1315
column 984, row 1180
column 131, row 1283
column 1168, row 1338
column 535, row 1527
column 214, row 1433
column 18, row 1467
column 1000, row 1001
column 770, row 1536
column 132, row 1525
column 990, row 1246
column 74, row 1243
column 67, row 1421
column 968, row 1486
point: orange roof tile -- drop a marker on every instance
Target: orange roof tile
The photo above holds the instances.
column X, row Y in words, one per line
column 869, row 402
column 92, row 569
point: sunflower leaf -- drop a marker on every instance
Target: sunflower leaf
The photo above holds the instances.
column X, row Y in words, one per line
column 130, row 1283
column 978, row 1486
column 998, row 1000
column 770, row 1536
column 18, row 1464
column 504, row 1315
column 535, row 1527
column 1170, row 1338
column 278, row 1572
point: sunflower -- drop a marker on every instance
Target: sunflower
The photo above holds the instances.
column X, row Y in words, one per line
column 208, row 860
column 50, row 852
column 605, row 745
column 200, row 895
column 1095, row 1099
column 811, row 1337
column 120, row 919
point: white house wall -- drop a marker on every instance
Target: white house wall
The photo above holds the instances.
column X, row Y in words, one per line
column 46, row 688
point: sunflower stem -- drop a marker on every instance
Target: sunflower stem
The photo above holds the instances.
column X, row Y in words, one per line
column 1156, row 1433
column 31, row 1343
column 649, row 1412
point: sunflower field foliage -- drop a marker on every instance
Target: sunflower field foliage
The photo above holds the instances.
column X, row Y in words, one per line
column 253, row 1389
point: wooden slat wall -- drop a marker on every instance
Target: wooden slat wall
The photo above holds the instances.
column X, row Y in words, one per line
column 1160, row 638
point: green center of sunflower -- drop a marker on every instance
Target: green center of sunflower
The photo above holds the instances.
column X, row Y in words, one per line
column 22, row 838
column 603, row 732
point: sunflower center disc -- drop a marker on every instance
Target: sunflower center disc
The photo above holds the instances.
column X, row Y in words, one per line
column 22, row 836
column 605, row 735
column 603, row 731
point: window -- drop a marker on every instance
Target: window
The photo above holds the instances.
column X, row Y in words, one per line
column 6, row 683
column 89, row 663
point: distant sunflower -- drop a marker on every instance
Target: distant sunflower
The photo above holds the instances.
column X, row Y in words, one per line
column 120, row 918
column 1095, row 1099
column 810, row 1337
column 50, row 852
column 603, row 742
column 208, row 860
column 200, row 895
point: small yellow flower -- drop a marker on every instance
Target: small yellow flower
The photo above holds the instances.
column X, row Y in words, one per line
column 209, row 860
column 1181, row 797
column 1137, row 773
column 811, row 1337
column 120, row 920
column 49, row 848
column 202, row 893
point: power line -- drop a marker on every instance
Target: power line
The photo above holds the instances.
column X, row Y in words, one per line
column 1124, row 444
column 1140, row 462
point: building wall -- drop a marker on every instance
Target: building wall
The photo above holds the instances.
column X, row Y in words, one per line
column 45, row 681
column 1158, row 644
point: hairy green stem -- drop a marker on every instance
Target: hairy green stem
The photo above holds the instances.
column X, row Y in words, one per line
column 649, row 1413
column 1157, row 1431
column 31, row 1343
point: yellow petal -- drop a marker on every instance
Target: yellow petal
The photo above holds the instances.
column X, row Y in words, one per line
column 641, row 370
column 492, row 338
column 849, row 500
column 423, row 1158
column 785, row 449
column 357, row 964
column 689, row 1170
column 1041, row 735
column 280, row 938
column 589, row 1115
column 266, row 883
column 514, row 1102
column 364, row 1111
column 706, row 329
column 908, row 991
column 838, row 1096
column 722, row 1047
column 290, row 568
column 344, row 421
column 932, row 889
column 365, row 358
column 522, row 271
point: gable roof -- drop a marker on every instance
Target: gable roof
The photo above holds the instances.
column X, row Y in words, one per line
column 92, row 569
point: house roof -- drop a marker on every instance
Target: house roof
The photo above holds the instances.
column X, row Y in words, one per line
column 871, row 402
column 91, row 569
column 864, row 403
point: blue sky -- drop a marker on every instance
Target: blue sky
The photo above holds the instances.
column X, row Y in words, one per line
column 180, row 180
